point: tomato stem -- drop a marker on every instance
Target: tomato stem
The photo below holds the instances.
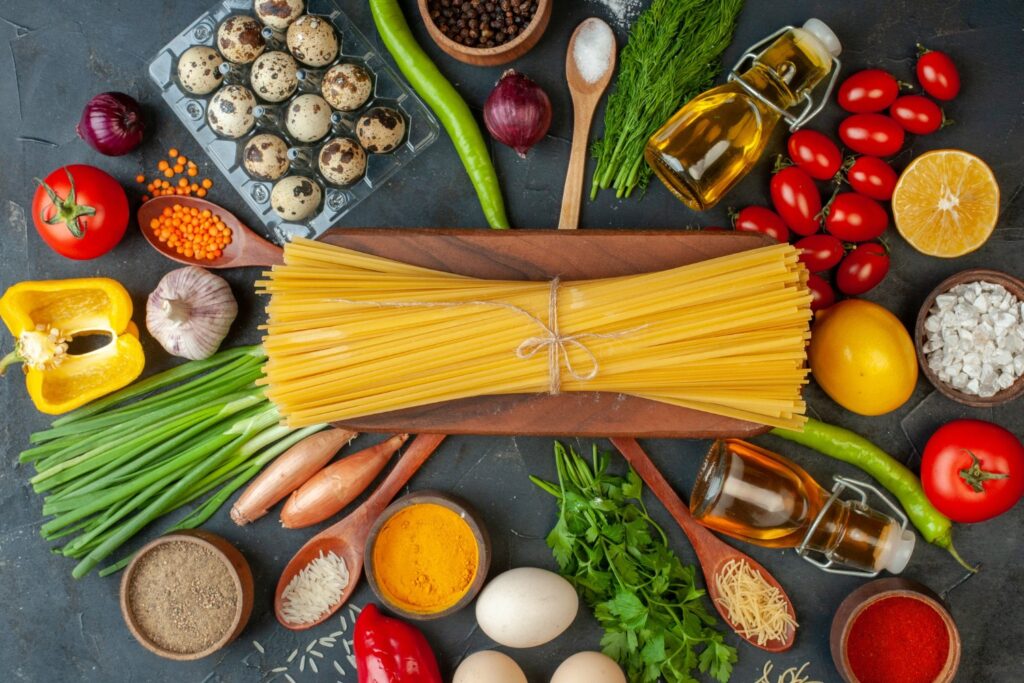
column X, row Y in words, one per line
column 976, row 477
column 66, row 210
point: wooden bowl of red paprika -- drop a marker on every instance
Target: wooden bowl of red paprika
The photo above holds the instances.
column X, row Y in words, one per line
column 894, row 630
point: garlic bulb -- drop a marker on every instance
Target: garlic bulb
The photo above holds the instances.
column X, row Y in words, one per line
column 190, row 312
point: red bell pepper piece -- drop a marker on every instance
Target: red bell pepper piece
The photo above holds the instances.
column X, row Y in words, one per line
column 392, row 651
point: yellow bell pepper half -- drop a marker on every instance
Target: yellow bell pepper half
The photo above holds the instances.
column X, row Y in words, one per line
column 45, row 316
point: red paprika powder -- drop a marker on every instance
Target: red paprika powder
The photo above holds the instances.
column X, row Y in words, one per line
column 898, row 640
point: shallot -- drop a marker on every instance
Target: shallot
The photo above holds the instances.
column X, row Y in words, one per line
column 517, row 112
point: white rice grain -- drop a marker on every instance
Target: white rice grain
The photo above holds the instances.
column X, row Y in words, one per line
column 337, row 667
column 291, row 656
column 289, row 678
column 352, row 661
column 302, row 664
column 259, row 648
column 315, row 590
column 279, row 670
column 312, row 665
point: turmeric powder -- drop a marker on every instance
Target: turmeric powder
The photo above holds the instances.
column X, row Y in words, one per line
column 425, row 558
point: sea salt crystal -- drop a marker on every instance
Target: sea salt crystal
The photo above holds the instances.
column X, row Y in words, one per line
column 593, row 49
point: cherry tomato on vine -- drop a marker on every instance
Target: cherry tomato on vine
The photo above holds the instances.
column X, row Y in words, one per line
column 822, row 294
column 763, row 220
column 862, row 269
column 973, row 470
column 856, row 218
column 872, row 177
column 917, row 114
column 820, row 252
column 938, row 74
column 815, row 153
column 874, row 134
column 795, row 198
column 871, row 90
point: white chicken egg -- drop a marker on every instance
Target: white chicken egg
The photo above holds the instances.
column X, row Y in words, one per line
column 277, row 14
column 274, row 76
column 589, row 667
column 312, row 40
column 240, row 39
column 526, row 607
column 489, row 666
column 295, row 198
column 308, row 118
column 199, row 70
column 230, row 112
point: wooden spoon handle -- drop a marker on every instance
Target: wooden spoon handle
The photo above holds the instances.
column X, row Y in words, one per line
column 415, row 455
column 257, row 251
column 569, row 219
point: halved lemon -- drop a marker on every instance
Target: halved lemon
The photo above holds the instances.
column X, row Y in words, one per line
column 946, row 203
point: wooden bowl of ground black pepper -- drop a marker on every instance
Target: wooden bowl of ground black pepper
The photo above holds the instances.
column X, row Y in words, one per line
column 187, row 594
column 486, row 32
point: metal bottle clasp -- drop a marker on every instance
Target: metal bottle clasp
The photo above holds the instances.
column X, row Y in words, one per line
column 810, row 109
column 862, row 489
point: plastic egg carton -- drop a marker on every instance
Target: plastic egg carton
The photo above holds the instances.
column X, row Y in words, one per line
column 389, row 90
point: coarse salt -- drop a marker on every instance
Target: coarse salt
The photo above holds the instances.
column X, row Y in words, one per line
column 622, row 11
column 974, row 338
column 592, row 50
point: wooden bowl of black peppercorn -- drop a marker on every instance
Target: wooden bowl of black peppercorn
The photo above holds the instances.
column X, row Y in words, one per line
column 486, row 32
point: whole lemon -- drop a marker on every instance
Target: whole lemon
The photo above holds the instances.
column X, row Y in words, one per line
column 862, row 356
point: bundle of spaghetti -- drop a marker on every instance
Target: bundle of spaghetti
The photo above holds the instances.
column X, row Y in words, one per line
column 351, row 334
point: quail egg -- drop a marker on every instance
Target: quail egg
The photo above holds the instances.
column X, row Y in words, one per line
column 266, row 156
column 347, row 86
column 277, row 14
column 380, row 130
column 199, row 70
column 295, row 198
column 240, row 39
column 308, row 118
column 230, row 111
column 342, row 161
column 312, row 40
column 273, row 76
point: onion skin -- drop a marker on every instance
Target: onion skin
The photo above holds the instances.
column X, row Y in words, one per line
column 112, row 124
column 517, row 113
column 337, row 485
column 287, row 473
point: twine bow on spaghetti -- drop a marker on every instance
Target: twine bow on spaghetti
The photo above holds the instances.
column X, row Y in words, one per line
column 552, row 339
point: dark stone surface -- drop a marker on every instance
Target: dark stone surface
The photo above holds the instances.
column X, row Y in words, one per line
column 59, row 53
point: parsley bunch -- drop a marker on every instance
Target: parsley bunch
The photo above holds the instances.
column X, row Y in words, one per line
column 605, row 543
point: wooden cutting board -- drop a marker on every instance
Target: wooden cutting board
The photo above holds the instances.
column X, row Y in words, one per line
column 542, row 255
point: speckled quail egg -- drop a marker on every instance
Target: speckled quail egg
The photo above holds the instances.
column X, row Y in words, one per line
column 312, row 40
column 230, row 111
column 266, row 156
column 273, row 76
column 278, row 14
column 199, row 70
column 380, row 130
column 295, row 198
column 347, row 86
column 240, row 39
column 308, row 118
column 342, row 161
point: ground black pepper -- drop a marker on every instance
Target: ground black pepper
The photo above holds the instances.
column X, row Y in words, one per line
column 482, row 23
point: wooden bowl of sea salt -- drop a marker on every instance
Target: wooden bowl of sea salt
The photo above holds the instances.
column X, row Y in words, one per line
column 970, row 337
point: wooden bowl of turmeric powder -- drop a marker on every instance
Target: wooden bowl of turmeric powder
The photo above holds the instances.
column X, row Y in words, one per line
column 427, row 555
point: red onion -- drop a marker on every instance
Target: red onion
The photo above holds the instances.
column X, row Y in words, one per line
column 517, row 112
column 112, row 124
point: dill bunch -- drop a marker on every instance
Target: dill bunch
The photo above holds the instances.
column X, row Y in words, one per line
column 672, row 55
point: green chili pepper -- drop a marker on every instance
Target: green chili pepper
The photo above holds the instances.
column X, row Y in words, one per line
column 842, row 444
column 446, row 102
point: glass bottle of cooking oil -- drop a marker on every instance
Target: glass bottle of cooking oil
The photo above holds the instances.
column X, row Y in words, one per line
column 758, row 496
column 717, row 137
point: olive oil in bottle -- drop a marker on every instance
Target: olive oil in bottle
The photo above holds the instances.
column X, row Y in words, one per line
column 758, row 496
column 717, row 137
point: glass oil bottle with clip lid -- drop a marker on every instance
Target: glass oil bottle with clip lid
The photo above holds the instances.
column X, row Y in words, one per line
column 758, row 496
column 716, row 138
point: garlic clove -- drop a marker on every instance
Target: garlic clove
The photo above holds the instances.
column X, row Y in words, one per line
column 190, row 312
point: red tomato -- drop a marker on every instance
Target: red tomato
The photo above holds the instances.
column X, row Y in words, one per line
column 874, row 134
column 872, row 177
column 973, row 470
column 80, row 211
column 863, row 269
column 763, row 220
column 917, row 114
column 822, row 294
column 868, row 91
column 938, row 75
column 815, row 153
column 856, row 218
column 820, row 252
column 795, row 198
